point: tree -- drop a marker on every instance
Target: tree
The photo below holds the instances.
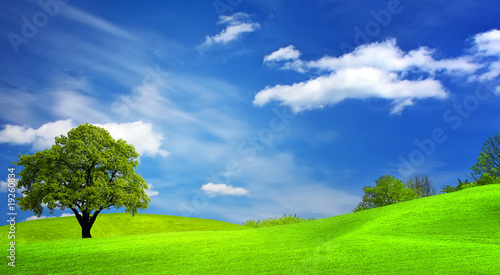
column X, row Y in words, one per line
column 422, row 184
column 488, row 161
column 388, row 190
column 86, row 171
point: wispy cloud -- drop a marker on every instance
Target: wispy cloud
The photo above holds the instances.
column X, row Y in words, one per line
column 97, row 23
column 237, row 25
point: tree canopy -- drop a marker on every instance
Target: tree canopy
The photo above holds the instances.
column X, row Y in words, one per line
column 488, row 161
column 485, row 171
column 86, row 171
column 388, row 190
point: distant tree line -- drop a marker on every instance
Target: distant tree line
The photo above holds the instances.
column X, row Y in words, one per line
column 389, row 190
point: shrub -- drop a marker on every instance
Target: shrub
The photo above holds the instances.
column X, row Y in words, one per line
column 286, row 219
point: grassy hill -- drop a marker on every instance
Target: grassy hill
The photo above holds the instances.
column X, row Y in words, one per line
column 456, row 233
column 107, row 225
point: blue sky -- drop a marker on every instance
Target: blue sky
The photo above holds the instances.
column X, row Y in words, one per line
column 249, row 108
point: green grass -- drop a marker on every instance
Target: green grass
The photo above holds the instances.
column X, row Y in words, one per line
column 456, row 233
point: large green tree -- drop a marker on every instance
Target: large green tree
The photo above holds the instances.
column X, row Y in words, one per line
column 488, row 161
column 86, row 171
column 388, row 190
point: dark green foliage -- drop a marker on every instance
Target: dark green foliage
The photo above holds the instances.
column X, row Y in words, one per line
column 86, row 171
column 388, row 190
column 461, row 185
column 488, row 161
column 449, row 189
column 286, row 219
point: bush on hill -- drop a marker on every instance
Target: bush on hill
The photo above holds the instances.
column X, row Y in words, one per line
column 286, row 219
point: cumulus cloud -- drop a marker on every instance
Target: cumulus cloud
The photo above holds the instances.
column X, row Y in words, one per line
column 237, row 25
column 41, row 138
column 351, row 83
column 212, row 190
column 488, row 43
column 145, row 140
column 376, row 70
column 389, row 57
column 287, row 53
column 141, row 135
column 486, row 46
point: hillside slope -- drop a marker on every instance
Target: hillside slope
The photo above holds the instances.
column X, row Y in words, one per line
column 455, row 233
column 113, row 224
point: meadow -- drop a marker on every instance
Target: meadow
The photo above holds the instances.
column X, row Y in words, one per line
column 455, row 233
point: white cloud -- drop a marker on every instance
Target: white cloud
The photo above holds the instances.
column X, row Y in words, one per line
column 399, row 105
column 287, row 53
column 488, row 43
column 493, row 72
column 377, row 70
column 150, row 192
column 141, row 135
column 351, row 83
column 212, row 189
column 486, row 47
column 389, row 57
column 41, row 138
column 238, row 24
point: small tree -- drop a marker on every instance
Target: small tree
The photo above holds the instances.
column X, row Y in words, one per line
column 86, row 171
column 422, row 184
column 388, row 190
column 488, row 161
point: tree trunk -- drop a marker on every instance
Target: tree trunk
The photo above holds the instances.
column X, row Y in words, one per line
column 86, row 221
column 86, row 231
